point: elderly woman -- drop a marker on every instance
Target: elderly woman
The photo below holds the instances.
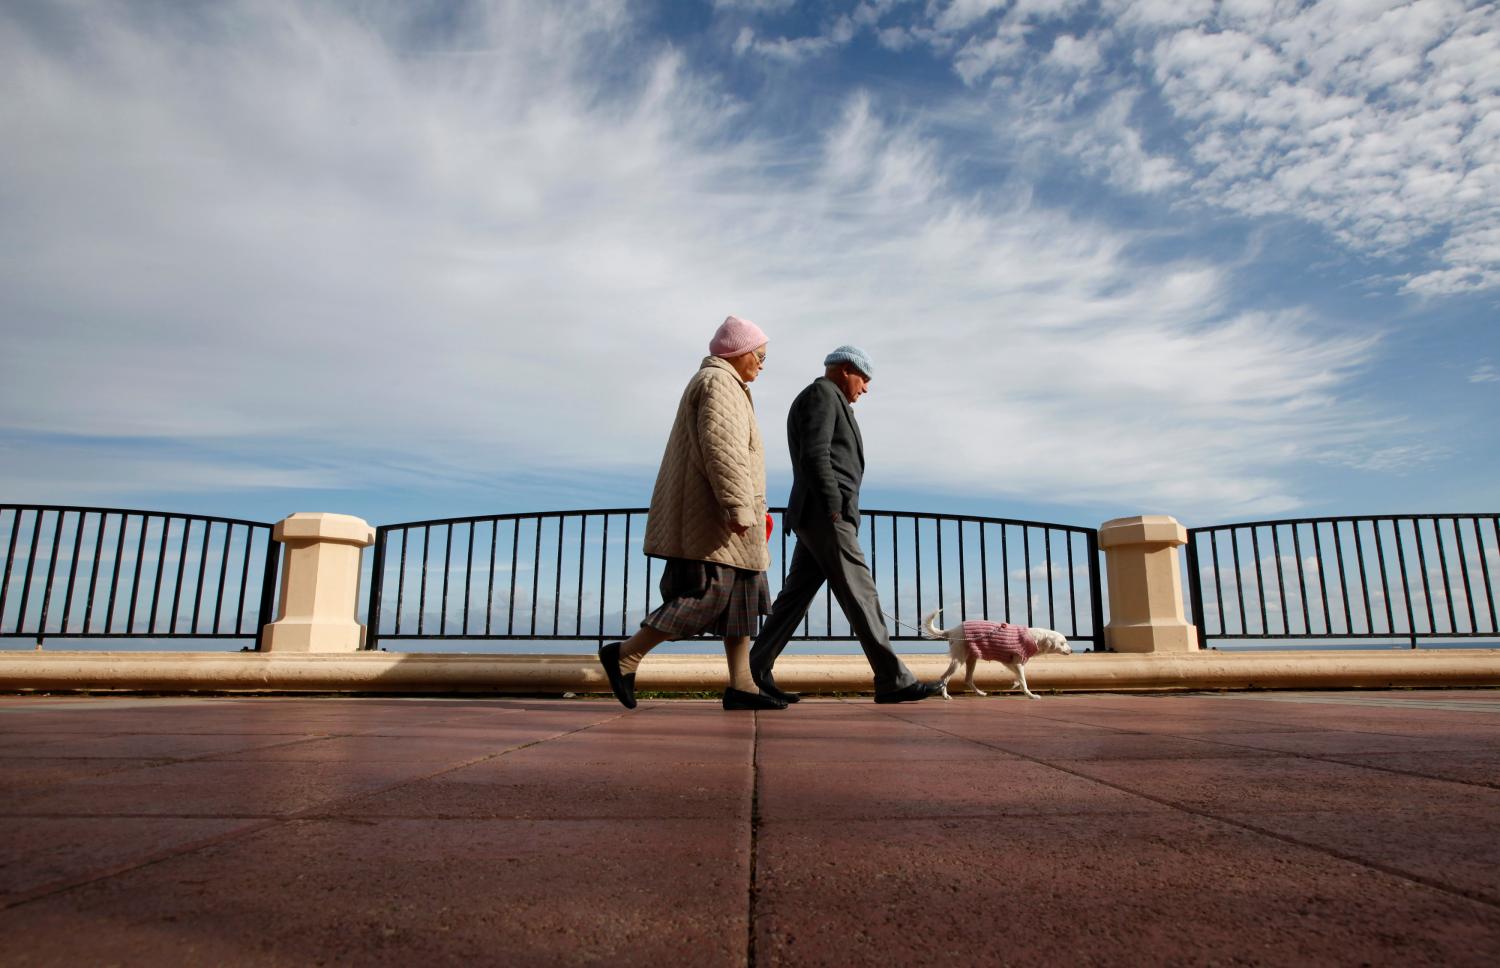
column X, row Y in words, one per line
column 706, row 520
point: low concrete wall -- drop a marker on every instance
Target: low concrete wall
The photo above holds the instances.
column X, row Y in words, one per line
column 397, row 672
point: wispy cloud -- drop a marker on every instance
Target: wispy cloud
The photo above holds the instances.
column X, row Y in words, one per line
column 503, row 242
column 1376, row 122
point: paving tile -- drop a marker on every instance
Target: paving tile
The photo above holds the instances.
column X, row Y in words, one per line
column 517, row 786
column 1331, row 742
column 632, row 892
column 209, row 788
column 1466, row 766
column 1049, row 891
column 43, row 852
column 155, row 745
column 989, row 785
column 437, row 751
column 1117, row 746
column 25, row 775
column 1443, row 831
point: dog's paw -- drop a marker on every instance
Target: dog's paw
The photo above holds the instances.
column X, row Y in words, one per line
column 980, row 692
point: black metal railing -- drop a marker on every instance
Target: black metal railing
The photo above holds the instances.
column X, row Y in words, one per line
column 582, row 575
column 1408, row 577
column 74, row 572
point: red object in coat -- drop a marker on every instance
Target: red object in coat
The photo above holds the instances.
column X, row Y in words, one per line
column 770, row 525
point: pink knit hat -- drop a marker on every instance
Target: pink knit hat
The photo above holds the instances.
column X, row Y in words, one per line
column 735, row 336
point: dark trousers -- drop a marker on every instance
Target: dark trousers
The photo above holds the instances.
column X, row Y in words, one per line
column 830, row 552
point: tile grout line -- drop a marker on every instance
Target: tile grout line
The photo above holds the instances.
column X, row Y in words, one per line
column 308, row 813
column 1436, row 885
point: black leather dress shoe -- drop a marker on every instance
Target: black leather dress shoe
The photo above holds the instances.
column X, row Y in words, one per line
column 623, row 686
column 915, row 692
column 737, row 699
column 768, row 687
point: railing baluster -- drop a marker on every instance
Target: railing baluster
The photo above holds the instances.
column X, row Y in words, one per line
column 36, row 537
column 223, row 577
column 1051, row 587
column 73, row 572
column 1437, row 529
column 208, row 528
column 896, row 568
column 1302, row 581
column 1411, row 622
column 10, row 557
column 1463, row 566
column 515, row 550
column 1338, row 552
column 1005, row 571
column 187, row 530
column 1260, row 585
column 1416, row 524
column 489, row 601
column 963, row 591
column 468, row 576
column 88, row 607
column 161, row 565
column 603, row 573
column 1026, row 553
column 1385, row 586
column 41, row 627
column 1322, row 580
column 557, row 586
column 1489, row 593
column 1213, row 547
column 625, row 577
column 422, row 593
column 447, row 568
column 536, row 571
column 984, row 575
column 135, row 579
column 583, row 530
column 1286, row 618
column 1239, row 579
column 1072, row 588
column 401, row 577
column 1364, row 580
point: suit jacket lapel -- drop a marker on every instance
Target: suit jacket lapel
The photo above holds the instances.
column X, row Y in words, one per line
column 859, row 439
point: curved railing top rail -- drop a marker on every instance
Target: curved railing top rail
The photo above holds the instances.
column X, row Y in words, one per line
column 596, row 512
column 178, row 515
column 1283, row 522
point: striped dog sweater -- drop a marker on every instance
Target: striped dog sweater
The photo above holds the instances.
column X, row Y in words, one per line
column 999, row 641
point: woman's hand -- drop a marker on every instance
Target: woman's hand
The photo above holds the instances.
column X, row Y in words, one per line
column 738, row 528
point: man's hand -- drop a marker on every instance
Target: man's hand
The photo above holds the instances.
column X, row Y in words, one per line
column 835, row 517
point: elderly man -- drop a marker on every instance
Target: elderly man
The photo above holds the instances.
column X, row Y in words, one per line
column 828, row 463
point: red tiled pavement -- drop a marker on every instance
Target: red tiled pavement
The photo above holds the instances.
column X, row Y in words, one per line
column 1247, row 828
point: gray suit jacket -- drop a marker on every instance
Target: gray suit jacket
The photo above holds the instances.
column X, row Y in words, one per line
column 828, row 456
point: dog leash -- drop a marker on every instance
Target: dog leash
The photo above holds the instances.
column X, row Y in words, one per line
column 914, row 628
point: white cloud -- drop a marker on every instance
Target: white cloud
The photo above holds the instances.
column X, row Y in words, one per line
column 328, row 234
column 1485, row 373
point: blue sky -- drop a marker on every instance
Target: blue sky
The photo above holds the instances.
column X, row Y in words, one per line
column 1223, row 260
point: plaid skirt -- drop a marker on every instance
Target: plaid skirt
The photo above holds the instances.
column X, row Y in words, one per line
column 703, row 596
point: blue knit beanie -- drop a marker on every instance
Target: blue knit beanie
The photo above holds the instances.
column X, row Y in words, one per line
column 852, row 355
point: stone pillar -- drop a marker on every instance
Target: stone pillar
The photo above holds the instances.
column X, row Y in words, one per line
column 319, row 583
column 1145, row 585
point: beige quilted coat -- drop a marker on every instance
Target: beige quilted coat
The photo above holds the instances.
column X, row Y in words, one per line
column 713, row 471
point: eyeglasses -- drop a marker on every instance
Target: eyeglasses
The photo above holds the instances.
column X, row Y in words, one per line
column 760, row 356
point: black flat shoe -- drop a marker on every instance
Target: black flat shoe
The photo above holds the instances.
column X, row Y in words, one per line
column 623, row 686
column 769, row 688
column 737, row 699
column 915, row 692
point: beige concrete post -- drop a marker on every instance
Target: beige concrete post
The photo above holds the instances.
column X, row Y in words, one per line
column 319, row 583
column 1145, row 585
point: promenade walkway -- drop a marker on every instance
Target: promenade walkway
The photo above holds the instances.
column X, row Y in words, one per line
column 1244, row 828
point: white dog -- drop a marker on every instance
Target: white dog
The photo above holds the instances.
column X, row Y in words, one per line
column 1000, row 641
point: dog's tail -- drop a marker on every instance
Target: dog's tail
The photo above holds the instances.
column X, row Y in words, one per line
column 929, row 626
